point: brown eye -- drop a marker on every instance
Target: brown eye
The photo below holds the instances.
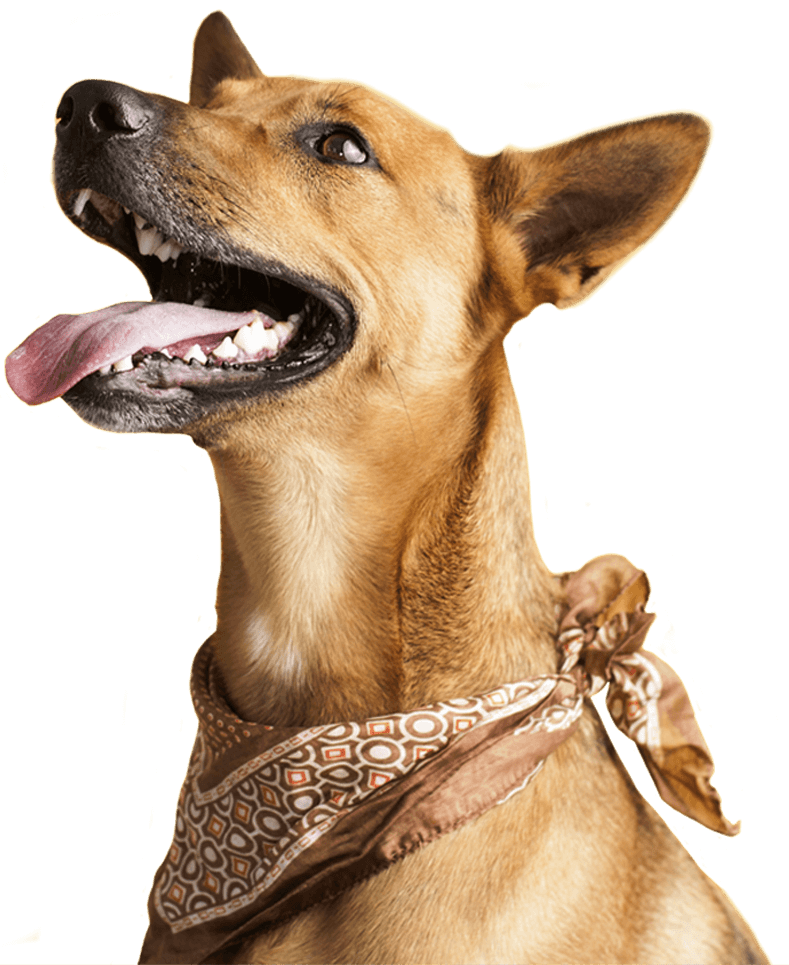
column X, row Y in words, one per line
column 343, row 147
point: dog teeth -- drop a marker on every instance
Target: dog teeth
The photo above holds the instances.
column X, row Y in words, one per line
column 82, row 199
column 284, row 330
column 227, row 350
column 125, row 365
column 195, row 352
column 249, row 341
column 253, row 338
column 150, row 241
column 169, row 249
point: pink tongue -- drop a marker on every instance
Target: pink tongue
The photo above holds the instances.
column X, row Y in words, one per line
column 69, row 347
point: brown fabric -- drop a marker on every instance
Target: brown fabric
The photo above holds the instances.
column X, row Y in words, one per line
column 273, row 820
column 600, row 637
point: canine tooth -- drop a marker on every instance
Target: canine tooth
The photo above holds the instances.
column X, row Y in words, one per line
column 82, row 199
column 124, row 365
column 295, row 318
column 195, row 352
column 148, row 240
column 105, row 370
column 226, row 350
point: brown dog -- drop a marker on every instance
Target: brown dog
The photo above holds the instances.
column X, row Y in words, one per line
column 377, row 546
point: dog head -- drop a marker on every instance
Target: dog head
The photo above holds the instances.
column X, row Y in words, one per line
column 300, row 238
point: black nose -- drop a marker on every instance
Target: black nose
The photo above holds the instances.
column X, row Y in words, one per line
column 94, row 111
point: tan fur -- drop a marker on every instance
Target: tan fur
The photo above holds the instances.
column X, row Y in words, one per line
column 376, row 533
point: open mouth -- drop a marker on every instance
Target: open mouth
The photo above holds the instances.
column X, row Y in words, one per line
column 276, row 309
column 219, row 329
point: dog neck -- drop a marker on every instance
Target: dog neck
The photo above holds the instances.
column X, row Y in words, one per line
column 362, row 568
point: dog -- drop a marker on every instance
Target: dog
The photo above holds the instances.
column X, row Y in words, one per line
column 377, row 550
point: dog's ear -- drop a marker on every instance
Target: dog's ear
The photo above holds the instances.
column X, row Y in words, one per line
column 576, row 210
column 218, row 54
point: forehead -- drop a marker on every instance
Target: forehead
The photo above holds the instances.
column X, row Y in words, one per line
column 390, row 127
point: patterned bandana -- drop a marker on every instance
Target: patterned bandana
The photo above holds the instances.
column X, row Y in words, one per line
column 272, row 820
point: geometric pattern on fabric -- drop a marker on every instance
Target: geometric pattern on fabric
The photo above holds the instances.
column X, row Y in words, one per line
column 234, row 839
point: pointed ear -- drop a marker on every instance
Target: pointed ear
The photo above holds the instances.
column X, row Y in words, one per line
column 218, row 54
column 578, row 209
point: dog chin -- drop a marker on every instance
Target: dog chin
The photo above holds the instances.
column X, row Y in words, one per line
column 126, row 410
column 137, row 401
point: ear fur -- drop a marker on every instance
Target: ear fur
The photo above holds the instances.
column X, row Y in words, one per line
column 578, row 209
column 218, row 54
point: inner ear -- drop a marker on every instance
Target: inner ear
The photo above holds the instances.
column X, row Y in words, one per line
column 579, row 209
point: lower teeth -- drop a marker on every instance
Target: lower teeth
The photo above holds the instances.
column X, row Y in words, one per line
column 251, row 339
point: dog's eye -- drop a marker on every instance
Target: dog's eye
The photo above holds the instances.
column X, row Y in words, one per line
column 342, row 147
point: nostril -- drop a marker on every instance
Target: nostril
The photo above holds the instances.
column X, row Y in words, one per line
column 65, row 111
column 105, row 117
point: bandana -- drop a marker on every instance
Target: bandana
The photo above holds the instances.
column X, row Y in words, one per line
column 272, row 820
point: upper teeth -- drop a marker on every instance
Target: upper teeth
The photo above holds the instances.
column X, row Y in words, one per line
column 82, row 199
column 150, row 240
